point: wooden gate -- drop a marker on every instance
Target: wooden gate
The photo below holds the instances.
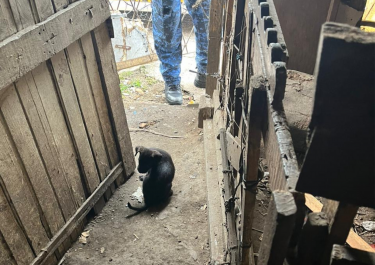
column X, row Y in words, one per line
column 64, row 140
column 247, row 86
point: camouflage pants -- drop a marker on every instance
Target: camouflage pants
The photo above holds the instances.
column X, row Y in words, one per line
column 166, row 22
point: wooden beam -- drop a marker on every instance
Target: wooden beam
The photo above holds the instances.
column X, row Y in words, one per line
column 342, row 125
column 279, row 228
column 353, row 240
column 258, row 103
column 214, row 43
column 110, row 83
column 137, row 61
column 340, row 225
column 313, row 238
column 229, row 202
column 347, row 256
column 206, row 110
column 23, row 51
column 75, row 220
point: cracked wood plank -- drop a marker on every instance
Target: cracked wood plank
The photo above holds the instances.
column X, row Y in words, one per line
column 18, row 52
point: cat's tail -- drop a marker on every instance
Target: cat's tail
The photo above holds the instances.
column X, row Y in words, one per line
column 138, row 209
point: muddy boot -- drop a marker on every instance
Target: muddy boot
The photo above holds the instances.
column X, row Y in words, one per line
column 200, row 80
column 173, row 94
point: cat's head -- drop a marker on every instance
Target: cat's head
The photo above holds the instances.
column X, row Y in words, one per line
column 147, row 158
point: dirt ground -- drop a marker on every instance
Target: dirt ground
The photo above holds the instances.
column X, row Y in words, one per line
column 176, row 233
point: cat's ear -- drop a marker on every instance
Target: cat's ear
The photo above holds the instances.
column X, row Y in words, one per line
column 139, row 149
column 156, row 154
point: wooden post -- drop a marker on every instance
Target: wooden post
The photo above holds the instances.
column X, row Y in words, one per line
column 340, row 226
column 279, row 228
column 229, row 202
column 257, row 106
column 349, row 256
column 214, row 43
column 342, row 124
column 313, row 238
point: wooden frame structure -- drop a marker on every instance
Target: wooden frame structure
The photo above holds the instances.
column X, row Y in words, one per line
column 247, row 99
column 64, row 140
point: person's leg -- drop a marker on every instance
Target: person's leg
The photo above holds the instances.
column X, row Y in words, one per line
column 200, row 16
column 166, row 24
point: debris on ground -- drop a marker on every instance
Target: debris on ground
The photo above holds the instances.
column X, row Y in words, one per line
column 369, row 225
column 83, row 237
column 138, row 195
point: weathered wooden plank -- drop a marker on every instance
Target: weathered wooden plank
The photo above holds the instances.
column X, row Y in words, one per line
column 18, row 53
column 60, row 4
column 136, row 61
column 29, row 153
column 82, row 84
column 258, row 103
column 22, row 13
column 110, row 83
column 342, row 122
column 72, row 223
column 8, row 26
column 206, row 110
column 353, row 240
column 16, row 244
column 5, row 254
column 54, row 125
column 18, row 187
column 347, row 256
column 213, row 197
column 76, row 124
column 279, row 227
column 280, row 154
column 33, row 109
column 214, row 43
column 341, row 221
column 101, row 105
column 42, row 9
column 313, row 237
column 233, row 244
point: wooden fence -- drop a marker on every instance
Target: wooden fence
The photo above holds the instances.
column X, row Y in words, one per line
column 64, row 141
column 247, row 86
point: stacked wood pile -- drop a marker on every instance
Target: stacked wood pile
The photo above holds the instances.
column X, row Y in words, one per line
column 64, row 140
column 247, row 86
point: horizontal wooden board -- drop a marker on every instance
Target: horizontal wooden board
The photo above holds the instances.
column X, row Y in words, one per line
column 18, row 53
column 80, row 214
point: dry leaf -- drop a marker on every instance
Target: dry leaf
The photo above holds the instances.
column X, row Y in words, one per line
column 82, row 240
column 143, row 125
column 86, row 233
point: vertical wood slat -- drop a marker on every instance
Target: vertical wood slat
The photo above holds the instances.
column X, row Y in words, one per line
column 257, row 107
column 5, row 254
column 8, row 26
column 29, row 154
column 37, row 117
column 17, row 186
column 57, row 130
column 278, row 229
column 23, row 138
column 101, row 105
column 78, row 70
column 110, row 82
column 15, row 238
column 76, row 124
column 214, row 43
column 22, row 13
